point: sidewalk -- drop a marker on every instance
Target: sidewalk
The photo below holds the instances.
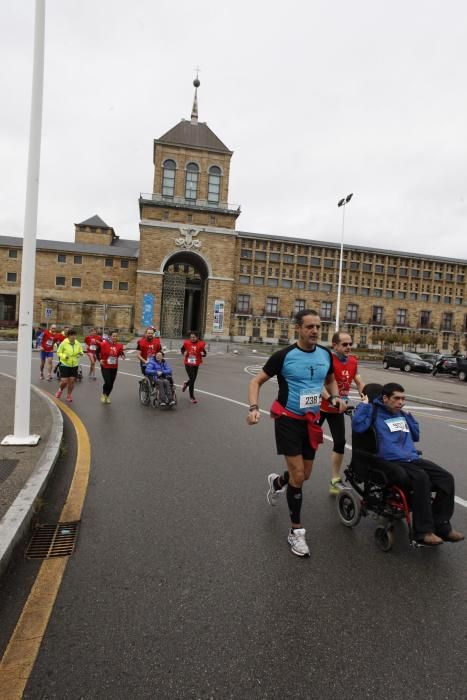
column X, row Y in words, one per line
column 24, row 471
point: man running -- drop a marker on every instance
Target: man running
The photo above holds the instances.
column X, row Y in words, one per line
column 346, row 371
column 302, row 369
column 108, row 353
column 48, row 341
column 193, row 351
column 69, row 352
column 92, row 341
column 146, row 348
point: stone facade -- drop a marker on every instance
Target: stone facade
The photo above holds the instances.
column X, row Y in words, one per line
column 236, row 285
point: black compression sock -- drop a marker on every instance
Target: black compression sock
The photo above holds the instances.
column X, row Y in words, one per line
column 281, row 481
column 294, row 500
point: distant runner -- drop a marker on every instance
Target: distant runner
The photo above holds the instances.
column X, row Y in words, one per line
column 109, row 351
column 193, row 351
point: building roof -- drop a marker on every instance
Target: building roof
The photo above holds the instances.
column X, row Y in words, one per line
column 95, row 222
column 195, row 135
column 121, row 248
column 349, row 247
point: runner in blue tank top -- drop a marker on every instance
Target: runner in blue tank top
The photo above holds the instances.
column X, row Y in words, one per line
column 302, row 370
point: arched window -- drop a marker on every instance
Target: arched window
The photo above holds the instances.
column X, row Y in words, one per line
column 168, row 178
column 214, row 184
column 191, row 181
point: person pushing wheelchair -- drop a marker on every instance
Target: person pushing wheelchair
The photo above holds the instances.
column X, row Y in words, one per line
column 397, row 431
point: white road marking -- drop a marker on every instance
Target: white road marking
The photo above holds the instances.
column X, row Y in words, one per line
column 458, row 427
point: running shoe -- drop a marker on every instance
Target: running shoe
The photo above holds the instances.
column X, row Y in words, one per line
column 69, row 398
column 58, row 394
column 193, row 400
column 49, row 378
column 185, row 384
column 273, row 495
column 297, row 541
column 103, row 398
column 107, row 399
column 42, row 376
column 172, row 403
column 336, row 486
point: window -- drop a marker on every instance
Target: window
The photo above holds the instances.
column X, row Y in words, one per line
column 300, row 284
column 391, row 270
column 366, row 267
column 272, row 305
column 191, row 181
column 123, row 286
column 401, row 317
column 260, row 255
column 325, row 310
column 313, row 286
column 299, row 305
column 449, row 276
column 243, row 303
column 61, row 258
column 425, row 297
column 413, row 296
column 415, row 273
column 379, row 269
column 389, row 294
column 286, row 283
column 351, row 314
column 401, row 295
column 274, row 257
column 447, row 300
column 326, row 287
column 76, row 281
column 288, row 258
column 244, row 279
column 168, row 178
column 248, row 254
column 365, row 291
column 107, row 284
column 59, row 281
column 302, row 260
column 351, row 290
column 214, row 184
column 355, row 266
column 12, row 253
column 124, row 263
column 425, row 319
column 11, row 276
column 446, row 323
column 78, row 259
column 403, row 272
column 328, row 263
column 258, row 281
column 315, row 262
column 378, row 292
column 272, row 282
column 377, row 315
column 108, row 262
column 426, row 274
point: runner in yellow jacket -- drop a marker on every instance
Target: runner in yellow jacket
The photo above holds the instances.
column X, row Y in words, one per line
column 69, row 353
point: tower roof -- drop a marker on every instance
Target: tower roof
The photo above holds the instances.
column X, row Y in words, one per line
column 95, row 222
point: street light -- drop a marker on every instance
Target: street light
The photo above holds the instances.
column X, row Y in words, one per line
column 341, row 203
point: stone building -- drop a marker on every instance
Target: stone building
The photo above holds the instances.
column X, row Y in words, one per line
column 191, row 268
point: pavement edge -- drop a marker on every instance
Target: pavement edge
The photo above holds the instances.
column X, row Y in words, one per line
column 18, row 517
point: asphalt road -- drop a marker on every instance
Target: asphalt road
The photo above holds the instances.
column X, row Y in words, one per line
column 183, row 585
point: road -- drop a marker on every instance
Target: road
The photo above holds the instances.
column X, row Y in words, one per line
column 183, row 586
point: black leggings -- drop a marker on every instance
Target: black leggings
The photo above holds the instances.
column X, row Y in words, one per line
column 192, row 371
column 337, row 427
column 109, row 375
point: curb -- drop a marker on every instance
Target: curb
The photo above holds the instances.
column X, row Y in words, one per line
column 436, row 402
column 17, row 519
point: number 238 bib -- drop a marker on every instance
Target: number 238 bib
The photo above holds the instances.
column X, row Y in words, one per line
column 309, row 399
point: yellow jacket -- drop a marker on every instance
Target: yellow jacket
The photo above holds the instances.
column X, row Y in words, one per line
column 69, row 354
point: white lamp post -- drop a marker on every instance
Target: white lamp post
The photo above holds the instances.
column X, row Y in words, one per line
column 21, row 434
column 341, row 203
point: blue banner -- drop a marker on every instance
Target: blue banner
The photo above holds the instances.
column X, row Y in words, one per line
column 148, row 309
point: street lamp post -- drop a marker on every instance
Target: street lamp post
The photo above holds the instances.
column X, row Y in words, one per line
column 341, row 203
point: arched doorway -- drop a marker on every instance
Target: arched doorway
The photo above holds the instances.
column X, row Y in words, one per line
column 183, row 294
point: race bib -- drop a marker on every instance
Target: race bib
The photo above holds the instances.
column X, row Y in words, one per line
column 112, row 361
column 191, row 360
column 49, row 342
column 92, row 347
column 308, row 400
column 396, row 425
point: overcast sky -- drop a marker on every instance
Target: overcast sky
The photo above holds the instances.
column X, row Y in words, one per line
column 317, row 98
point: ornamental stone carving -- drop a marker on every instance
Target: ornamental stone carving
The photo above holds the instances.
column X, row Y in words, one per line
column 187, row 239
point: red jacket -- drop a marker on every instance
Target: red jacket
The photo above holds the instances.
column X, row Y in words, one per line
column 148, row 348
column 193, row 353
column 92, row 341
column 344, row 373
column 109, row 354
column 48, row 341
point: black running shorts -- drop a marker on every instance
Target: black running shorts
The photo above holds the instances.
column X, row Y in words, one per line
column 292, row 438
column 66, row 372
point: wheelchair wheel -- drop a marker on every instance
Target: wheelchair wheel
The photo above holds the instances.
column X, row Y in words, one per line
column 384, row 538
column 144, row 392
column 348, row 508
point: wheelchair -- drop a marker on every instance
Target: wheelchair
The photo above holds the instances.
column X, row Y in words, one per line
column 371, row 491
column 149, row 393
column 79, row 376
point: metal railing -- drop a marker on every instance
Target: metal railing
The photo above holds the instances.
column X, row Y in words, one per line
column 183, row 202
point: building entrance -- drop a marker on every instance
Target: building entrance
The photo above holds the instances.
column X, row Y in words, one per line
column 183, row 295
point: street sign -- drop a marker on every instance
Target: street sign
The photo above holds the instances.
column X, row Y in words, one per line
column 48, row 313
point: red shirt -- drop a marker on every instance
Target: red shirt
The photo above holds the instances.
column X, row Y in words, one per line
column 148, row 348
column 110, row 352
column 92, row 342
column 59, row 338
column 344, row 373
column 193, row 352
column 48, row 341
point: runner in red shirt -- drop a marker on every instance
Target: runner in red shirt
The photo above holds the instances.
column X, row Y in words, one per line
column 345, row 371
column 47, row 350
column 146, row 348
column 108, row 352
column 193, row 351
column 92, row 341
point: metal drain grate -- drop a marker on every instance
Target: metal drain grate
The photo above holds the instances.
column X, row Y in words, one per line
column 6, row 468
column 56, row 540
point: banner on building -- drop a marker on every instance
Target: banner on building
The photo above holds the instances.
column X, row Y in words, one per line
column 218, row 318
column 148, row 309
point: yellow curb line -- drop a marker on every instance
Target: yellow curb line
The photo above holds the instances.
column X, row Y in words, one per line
column 22, row 650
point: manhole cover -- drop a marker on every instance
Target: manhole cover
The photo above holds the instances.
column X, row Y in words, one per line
column 6, row 468
column 53, row 540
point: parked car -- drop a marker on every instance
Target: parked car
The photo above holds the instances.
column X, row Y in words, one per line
column 406, row 362
column 432, row 357
column 462, row 368
column 446, row 364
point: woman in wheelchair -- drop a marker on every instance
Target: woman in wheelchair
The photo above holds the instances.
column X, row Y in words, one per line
column 384, row 439
column 159, row 371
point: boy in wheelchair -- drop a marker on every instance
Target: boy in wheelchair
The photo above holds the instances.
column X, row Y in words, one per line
column 160, row 375
column 393, row 473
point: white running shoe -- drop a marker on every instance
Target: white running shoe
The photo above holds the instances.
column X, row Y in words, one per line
column 272, row 495
column 297, row 541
